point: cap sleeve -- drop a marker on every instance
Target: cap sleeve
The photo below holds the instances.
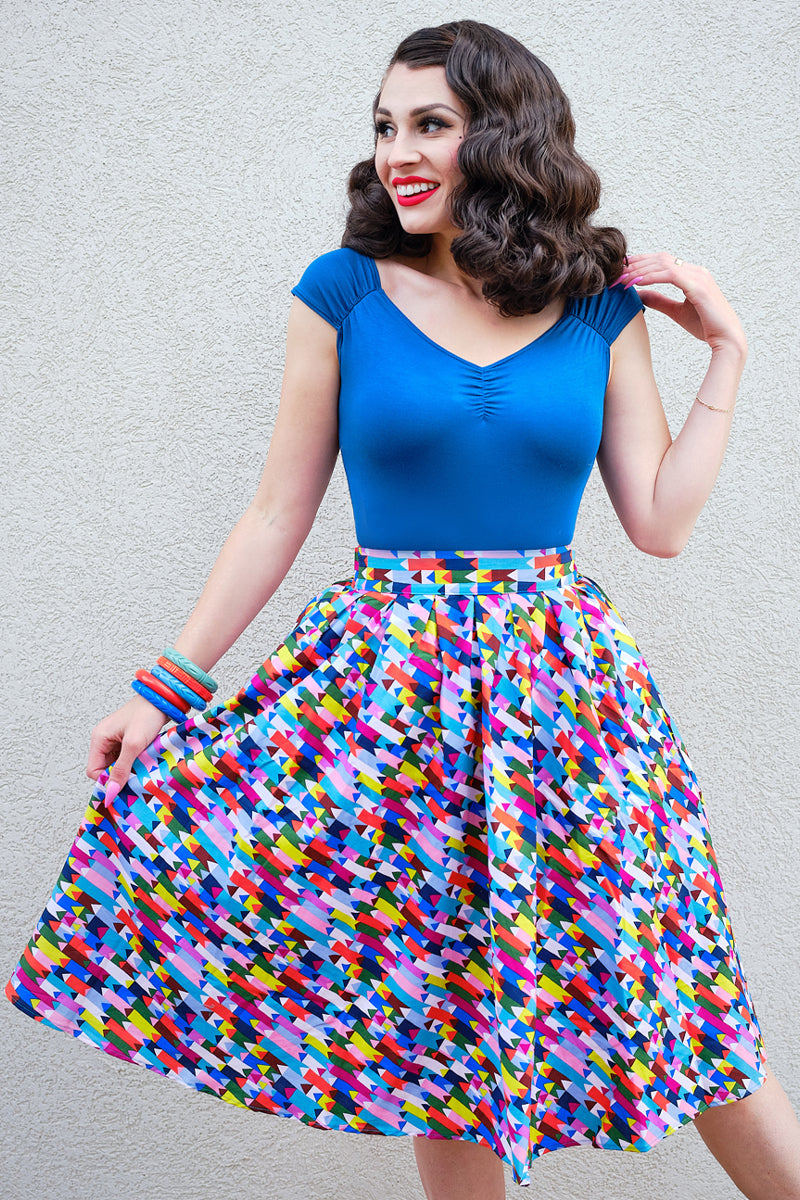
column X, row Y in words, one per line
column 610, row 311
column 333, row 283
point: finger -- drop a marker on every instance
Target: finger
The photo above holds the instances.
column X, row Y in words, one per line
column 106, row 732
column 100, row 760
column 112, row 790
column 641, row 264
column 662, row 303
column 659, row 257
column 118, row 775
column 635, row 268
column 675, row 278
column 636, row 261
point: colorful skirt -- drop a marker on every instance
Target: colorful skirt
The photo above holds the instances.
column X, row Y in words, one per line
column 441, row 868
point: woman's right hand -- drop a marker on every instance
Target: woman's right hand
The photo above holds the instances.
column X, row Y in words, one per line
column 120, row 738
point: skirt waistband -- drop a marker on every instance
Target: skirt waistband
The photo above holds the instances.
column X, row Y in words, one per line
column 452, row 571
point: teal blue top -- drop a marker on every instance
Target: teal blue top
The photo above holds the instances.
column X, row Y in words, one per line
column 441, row 454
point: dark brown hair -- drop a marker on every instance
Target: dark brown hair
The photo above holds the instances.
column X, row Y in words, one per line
column 525, row 196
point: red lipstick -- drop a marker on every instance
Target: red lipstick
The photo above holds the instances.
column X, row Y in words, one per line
column 419, row 196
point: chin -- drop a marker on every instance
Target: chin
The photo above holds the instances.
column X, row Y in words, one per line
column 419, row 226
column 418, row 222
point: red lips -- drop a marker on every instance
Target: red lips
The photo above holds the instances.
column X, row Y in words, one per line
column 420, row 196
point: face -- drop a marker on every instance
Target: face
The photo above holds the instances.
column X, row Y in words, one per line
column 420, row 124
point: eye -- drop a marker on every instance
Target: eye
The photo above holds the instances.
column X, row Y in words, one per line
column 436, row 122
column 382, row 128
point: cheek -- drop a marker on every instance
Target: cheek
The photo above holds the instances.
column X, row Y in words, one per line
column 451, row 177
column 381, row 168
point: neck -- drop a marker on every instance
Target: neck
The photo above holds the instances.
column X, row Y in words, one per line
column 440, row 263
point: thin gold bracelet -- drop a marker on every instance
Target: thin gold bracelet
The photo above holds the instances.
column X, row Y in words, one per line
column 713, row 407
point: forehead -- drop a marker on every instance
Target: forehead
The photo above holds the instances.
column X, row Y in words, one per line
column 407, row 87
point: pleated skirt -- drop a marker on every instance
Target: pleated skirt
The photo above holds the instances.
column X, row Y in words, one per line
column 441, row 868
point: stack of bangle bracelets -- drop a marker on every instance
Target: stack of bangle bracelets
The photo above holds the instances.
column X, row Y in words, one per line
column 175, row 685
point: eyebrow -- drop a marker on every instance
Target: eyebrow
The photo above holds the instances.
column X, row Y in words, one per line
column 416, row 112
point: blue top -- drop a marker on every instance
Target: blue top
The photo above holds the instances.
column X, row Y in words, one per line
column 441, row 454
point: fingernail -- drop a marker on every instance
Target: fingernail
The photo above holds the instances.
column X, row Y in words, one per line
column 616, row 281
column 112, row 791
column 638, row 279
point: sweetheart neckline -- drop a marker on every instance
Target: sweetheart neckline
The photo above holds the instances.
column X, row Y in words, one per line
column 466, row 361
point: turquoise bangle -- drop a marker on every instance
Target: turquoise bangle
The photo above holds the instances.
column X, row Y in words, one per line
column 178, row 687
column 191, row 668
column 159, row 702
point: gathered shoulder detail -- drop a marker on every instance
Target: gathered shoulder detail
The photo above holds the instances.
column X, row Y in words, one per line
column 333, row 283
column 608, row 312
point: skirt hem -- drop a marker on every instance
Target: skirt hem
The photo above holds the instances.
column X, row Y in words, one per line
column 520, row 1179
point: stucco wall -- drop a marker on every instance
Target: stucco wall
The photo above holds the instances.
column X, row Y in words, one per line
column 169, row 170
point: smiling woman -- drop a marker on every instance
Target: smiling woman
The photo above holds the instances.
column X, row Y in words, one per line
column 442, row 867
column 512, row 191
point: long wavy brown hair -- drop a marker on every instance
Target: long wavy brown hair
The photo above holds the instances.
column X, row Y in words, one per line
column 525, row 196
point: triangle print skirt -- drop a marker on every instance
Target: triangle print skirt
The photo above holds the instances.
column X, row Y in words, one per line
column 441, row 868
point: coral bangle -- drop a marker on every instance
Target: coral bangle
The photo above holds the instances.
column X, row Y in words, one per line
column 184, row 677
column 161, row 689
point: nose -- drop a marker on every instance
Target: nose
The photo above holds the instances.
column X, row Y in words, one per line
column 403, row 150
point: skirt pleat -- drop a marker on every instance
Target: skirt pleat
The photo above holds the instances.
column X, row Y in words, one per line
column 441, row 868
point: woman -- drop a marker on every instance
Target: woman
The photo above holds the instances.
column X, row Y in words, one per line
column 442, row 867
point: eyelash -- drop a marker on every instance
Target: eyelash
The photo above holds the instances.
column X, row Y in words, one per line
column 382, row 126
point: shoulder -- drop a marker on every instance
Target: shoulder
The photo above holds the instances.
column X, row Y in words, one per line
column 608, row 312
column 334, row 282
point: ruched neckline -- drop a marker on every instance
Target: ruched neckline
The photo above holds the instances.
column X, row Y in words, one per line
column 396, row 310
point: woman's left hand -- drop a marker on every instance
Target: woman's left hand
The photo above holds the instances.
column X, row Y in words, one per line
column 704, row 312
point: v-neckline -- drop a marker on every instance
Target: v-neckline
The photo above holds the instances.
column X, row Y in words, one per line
column 465, row 361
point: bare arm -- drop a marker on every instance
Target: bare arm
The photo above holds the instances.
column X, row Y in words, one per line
column 658, row 485
column 264, row 542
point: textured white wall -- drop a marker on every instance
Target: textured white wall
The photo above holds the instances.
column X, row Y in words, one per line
column 169, row 170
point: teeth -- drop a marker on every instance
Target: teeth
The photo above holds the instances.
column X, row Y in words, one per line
column 411, row 189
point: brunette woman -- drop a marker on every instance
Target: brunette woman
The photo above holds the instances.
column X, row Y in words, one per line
column 442, row 867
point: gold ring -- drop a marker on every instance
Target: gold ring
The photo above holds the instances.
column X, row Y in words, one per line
column 678, row 261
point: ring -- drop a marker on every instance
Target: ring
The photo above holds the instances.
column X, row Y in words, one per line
column 678, row 261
